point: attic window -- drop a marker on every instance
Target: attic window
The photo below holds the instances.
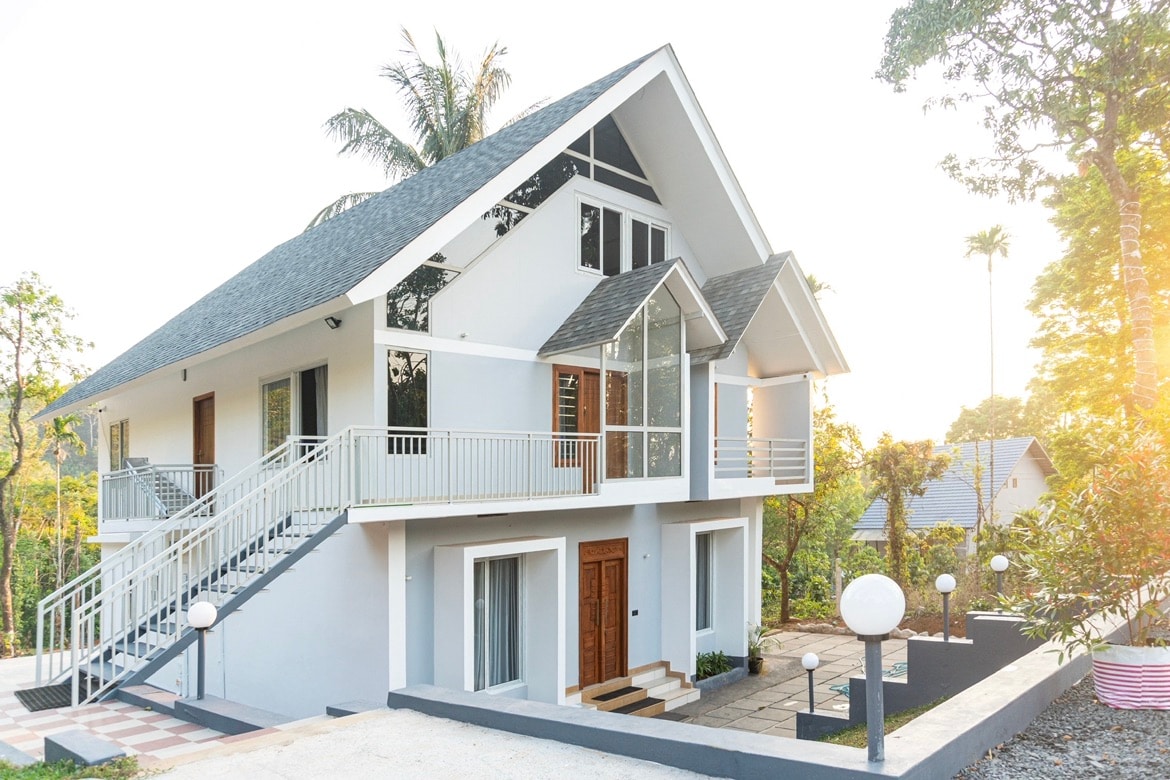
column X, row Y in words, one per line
column 603, row 248
column 408, row 304
column 613, row 161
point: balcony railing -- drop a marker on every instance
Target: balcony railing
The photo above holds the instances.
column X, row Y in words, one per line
column 154, row 492
column 429, row 466
column 784, row 460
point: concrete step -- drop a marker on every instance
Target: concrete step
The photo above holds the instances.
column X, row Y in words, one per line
column 678, row 697
column 645, row 707
column 615, row 700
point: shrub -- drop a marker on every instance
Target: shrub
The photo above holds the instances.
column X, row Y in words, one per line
column 711, row 664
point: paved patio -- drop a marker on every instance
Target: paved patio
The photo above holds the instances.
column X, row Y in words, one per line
column 767, row 703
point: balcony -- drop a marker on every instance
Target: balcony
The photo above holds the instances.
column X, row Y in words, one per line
column 147, row 492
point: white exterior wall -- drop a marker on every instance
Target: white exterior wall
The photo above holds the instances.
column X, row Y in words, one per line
column 1030, row 486
column 315, row 637
column 160, row 412
column 641, row 525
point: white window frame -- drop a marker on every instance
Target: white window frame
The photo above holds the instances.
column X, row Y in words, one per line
column 709, row 595
column 626, row 250
column 521, row 610
column 294, row 399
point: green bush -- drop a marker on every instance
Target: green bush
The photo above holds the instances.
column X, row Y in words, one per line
column 813, row 609
column 711, row 664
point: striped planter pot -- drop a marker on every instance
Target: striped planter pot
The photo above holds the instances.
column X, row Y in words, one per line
column 1133, row 678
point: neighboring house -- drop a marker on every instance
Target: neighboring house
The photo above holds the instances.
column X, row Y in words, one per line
column 1021, row 470
column 535, row 464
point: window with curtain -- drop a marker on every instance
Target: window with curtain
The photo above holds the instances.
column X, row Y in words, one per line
column 497, row 622
column 703, row 557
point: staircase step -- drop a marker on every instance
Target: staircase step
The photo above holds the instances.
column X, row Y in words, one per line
column 647, row 707
column 660, row 686
column 679, row 696
column 148, row 697
column 650, row 673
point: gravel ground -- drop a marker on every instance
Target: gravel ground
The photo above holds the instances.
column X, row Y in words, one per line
column 1078, row 737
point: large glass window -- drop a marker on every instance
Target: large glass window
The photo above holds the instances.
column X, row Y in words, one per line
column 643, row 393
column 602, row 247
column 606, row 155
column 703, row 601
column 408, row 303
column 497, row 619
column 406, row 399
column 277, row 406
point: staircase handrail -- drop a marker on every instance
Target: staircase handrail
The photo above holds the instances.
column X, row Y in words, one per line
column 190, row 565
column 148, row 545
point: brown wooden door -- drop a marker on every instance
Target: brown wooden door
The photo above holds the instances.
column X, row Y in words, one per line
column 602, row 611
column 204, row 449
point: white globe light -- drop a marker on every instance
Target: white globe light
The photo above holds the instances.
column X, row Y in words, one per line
column 810, row 661
column 944, row 583
column 872, row 605
column 999, row 563
column 202, row 614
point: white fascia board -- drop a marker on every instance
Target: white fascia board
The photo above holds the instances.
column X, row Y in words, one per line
column 396, row 268
column 792, row 279
column 715, row 152
column 698, row 302
column 751, row 381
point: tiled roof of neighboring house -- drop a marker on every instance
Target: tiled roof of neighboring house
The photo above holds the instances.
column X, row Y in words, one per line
column 326, row 262
column 735, row 298
column 607, row 309
column 952, row 496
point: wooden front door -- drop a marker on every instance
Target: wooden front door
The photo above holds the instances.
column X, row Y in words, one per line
column 601, row 611
column 204, row 450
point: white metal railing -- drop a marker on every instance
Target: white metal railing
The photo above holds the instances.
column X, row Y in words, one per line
column 785, row 460
column 427, row 466
column 54, row 612
column 113, row 618
column 153, row 492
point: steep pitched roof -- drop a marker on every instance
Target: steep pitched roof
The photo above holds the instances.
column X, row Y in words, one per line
column 609, row 307
column 735, row 298
column 323, row 264
column 952, row 496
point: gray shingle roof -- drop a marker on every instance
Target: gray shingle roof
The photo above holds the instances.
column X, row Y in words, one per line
column 952, row 496
column 326, row 262
column 606, row 309
column 735, row 298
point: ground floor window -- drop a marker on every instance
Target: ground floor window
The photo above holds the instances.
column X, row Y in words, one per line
column 703, row 600
column 497, row 622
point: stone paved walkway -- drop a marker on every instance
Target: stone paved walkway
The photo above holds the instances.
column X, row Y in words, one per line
column 768, row 703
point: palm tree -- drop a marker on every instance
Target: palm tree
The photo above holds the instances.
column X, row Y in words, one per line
column 447, row 107
column 989, row 243
column 60, row 434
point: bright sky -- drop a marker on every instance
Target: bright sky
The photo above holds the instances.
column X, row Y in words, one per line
column 150, row 150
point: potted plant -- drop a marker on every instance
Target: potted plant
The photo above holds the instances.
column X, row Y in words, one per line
column 1104, row 552
column 756, row 643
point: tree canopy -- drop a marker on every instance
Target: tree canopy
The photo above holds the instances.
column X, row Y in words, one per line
column 1090, row 78
column 447, row 107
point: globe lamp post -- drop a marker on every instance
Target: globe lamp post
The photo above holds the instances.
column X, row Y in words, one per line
column 945, row 584
column 201, row 616
column 810, row 662
column 999, row 565
column 872, row 606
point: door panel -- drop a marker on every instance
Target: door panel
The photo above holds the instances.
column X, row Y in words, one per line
column 204, row 441
column 603, row 627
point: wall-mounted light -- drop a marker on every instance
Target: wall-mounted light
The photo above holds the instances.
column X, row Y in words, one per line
column 184, row 375
column 333, row 323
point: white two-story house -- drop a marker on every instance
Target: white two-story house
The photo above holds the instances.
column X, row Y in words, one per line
column 504, row 427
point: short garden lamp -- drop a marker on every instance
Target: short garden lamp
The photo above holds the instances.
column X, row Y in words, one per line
column 872, row 606
column 810, row 662
column 945, row 584
column 999, row 565
column 201, row 615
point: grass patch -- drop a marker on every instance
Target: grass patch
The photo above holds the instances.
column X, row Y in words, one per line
column 857, row 736
column 118, row 769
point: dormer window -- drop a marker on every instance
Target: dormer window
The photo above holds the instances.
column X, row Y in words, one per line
column 604, row 247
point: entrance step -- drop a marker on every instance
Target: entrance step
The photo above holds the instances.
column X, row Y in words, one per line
column 648, row 691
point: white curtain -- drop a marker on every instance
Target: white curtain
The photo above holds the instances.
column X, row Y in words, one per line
column 504, row 619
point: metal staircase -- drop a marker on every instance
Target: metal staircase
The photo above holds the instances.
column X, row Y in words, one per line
column 126, row 618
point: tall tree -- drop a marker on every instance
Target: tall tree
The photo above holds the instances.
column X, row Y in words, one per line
column 811, row 518
column 989, row 243
column 898, row 470
column 447, row 106
column 62, row 438
column 35, row 350
column 1091, row 77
